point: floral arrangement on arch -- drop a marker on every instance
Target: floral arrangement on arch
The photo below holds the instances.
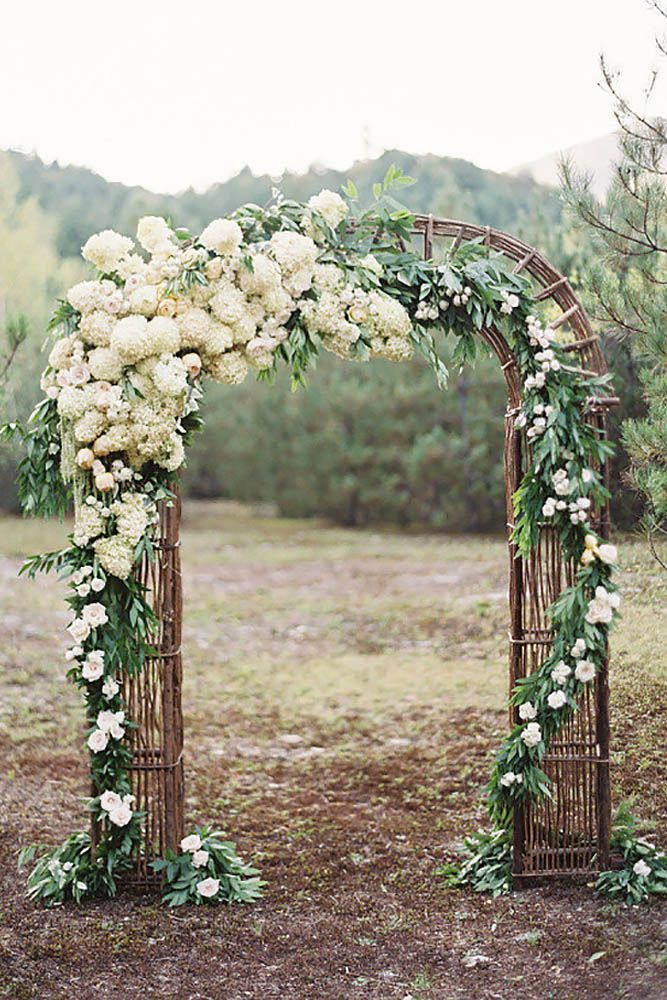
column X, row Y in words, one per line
column 269, row 286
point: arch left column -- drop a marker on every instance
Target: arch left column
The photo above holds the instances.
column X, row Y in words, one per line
column 153, row 703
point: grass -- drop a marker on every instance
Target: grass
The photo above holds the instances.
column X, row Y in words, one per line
column 344, row 693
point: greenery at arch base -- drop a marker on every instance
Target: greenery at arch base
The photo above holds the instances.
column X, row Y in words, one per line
column 273, row 286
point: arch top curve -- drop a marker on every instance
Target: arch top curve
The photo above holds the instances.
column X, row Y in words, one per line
column 552, row 285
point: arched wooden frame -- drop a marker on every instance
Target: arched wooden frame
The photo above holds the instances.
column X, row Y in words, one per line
column 563, row 836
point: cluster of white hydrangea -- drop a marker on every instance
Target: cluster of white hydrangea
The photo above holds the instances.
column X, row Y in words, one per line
column 124, row 379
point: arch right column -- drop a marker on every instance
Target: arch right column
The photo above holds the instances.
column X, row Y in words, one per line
column 566, row 835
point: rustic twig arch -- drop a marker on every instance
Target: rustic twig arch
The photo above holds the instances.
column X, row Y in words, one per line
column 565, row 835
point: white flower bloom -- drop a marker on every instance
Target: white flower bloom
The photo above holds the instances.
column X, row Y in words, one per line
column 509, row 778
column 92, row 670
column 94, row 614
column 578, row 649
column 106, row 249
column 110, row 800
column 200, row 858
column 191, row 843
column 97, row 584
column 98, row 740
column 79, row 630
column 584, row 671
column 222, row 235
column 527, row 711
column 330, row 206
column 110, row 723
column 562, row 484
column 155, row 235
column 641, row 868
column 549, row 507
column 532, row 734
column 73, row 653
column 608, row 554
column 121, row 814
column 560, row 673
column 208, row 887
column 510, row 302
column 110, row 688
column 586, row 475
column 601, row 607
column 557, row 699
column 83, row 589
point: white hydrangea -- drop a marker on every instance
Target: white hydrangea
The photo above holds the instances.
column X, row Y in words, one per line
column 170, row 376
column 89, row 426
column 131, row 517
column 134, row 337
column 116, row 555
column 106, row 250
column 144, row 300
column 88, row 524
column 230, row 368
column 155, row 235
column 297, row 256
column 89, row 296
column 194, row 326
column 95, row 328
column 224, row 236
column 330, row 206
column 105, row 364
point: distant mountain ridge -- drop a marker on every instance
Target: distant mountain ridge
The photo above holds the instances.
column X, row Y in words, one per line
column 83, row 202
column 596, row 157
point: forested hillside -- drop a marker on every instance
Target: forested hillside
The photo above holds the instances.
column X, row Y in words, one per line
column 82, row 201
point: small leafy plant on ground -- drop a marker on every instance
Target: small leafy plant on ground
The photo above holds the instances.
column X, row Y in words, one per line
column 208, row 870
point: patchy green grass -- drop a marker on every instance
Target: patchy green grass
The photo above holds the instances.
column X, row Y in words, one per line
column 344, row 693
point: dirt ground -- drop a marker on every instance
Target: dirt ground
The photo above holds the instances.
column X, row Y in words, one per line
column 343, row 697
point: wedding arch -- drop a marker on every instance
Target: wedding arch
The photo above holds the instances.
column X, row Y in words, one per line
column 272, row 285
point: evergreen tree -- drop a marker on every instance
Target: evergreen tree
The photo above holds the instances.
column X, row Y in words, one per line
column 629, row 284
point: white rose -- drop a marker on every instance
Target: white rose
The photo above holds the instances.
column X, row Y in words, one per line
column 79, row 630
column 532, row 734
column 110, row 800
column 578, row 649
column 110, row 722
column 110, row 688
column 608, row 554
column 549, row 507
column 97, row 584
column 641, row 868
column 601, row 607
column 200, row 858
column 97, row 741
column 508, row 779
column 92, row 671
column 584, row 671
column 94, row 614
column 191, row 843
column 560, row 673
column 121, row 814
column 208, row 887
column 527, row 711
column 557, row 699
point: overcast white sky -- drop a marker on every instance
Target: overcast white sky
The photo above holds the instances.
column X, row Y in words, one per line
column 171, row 94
